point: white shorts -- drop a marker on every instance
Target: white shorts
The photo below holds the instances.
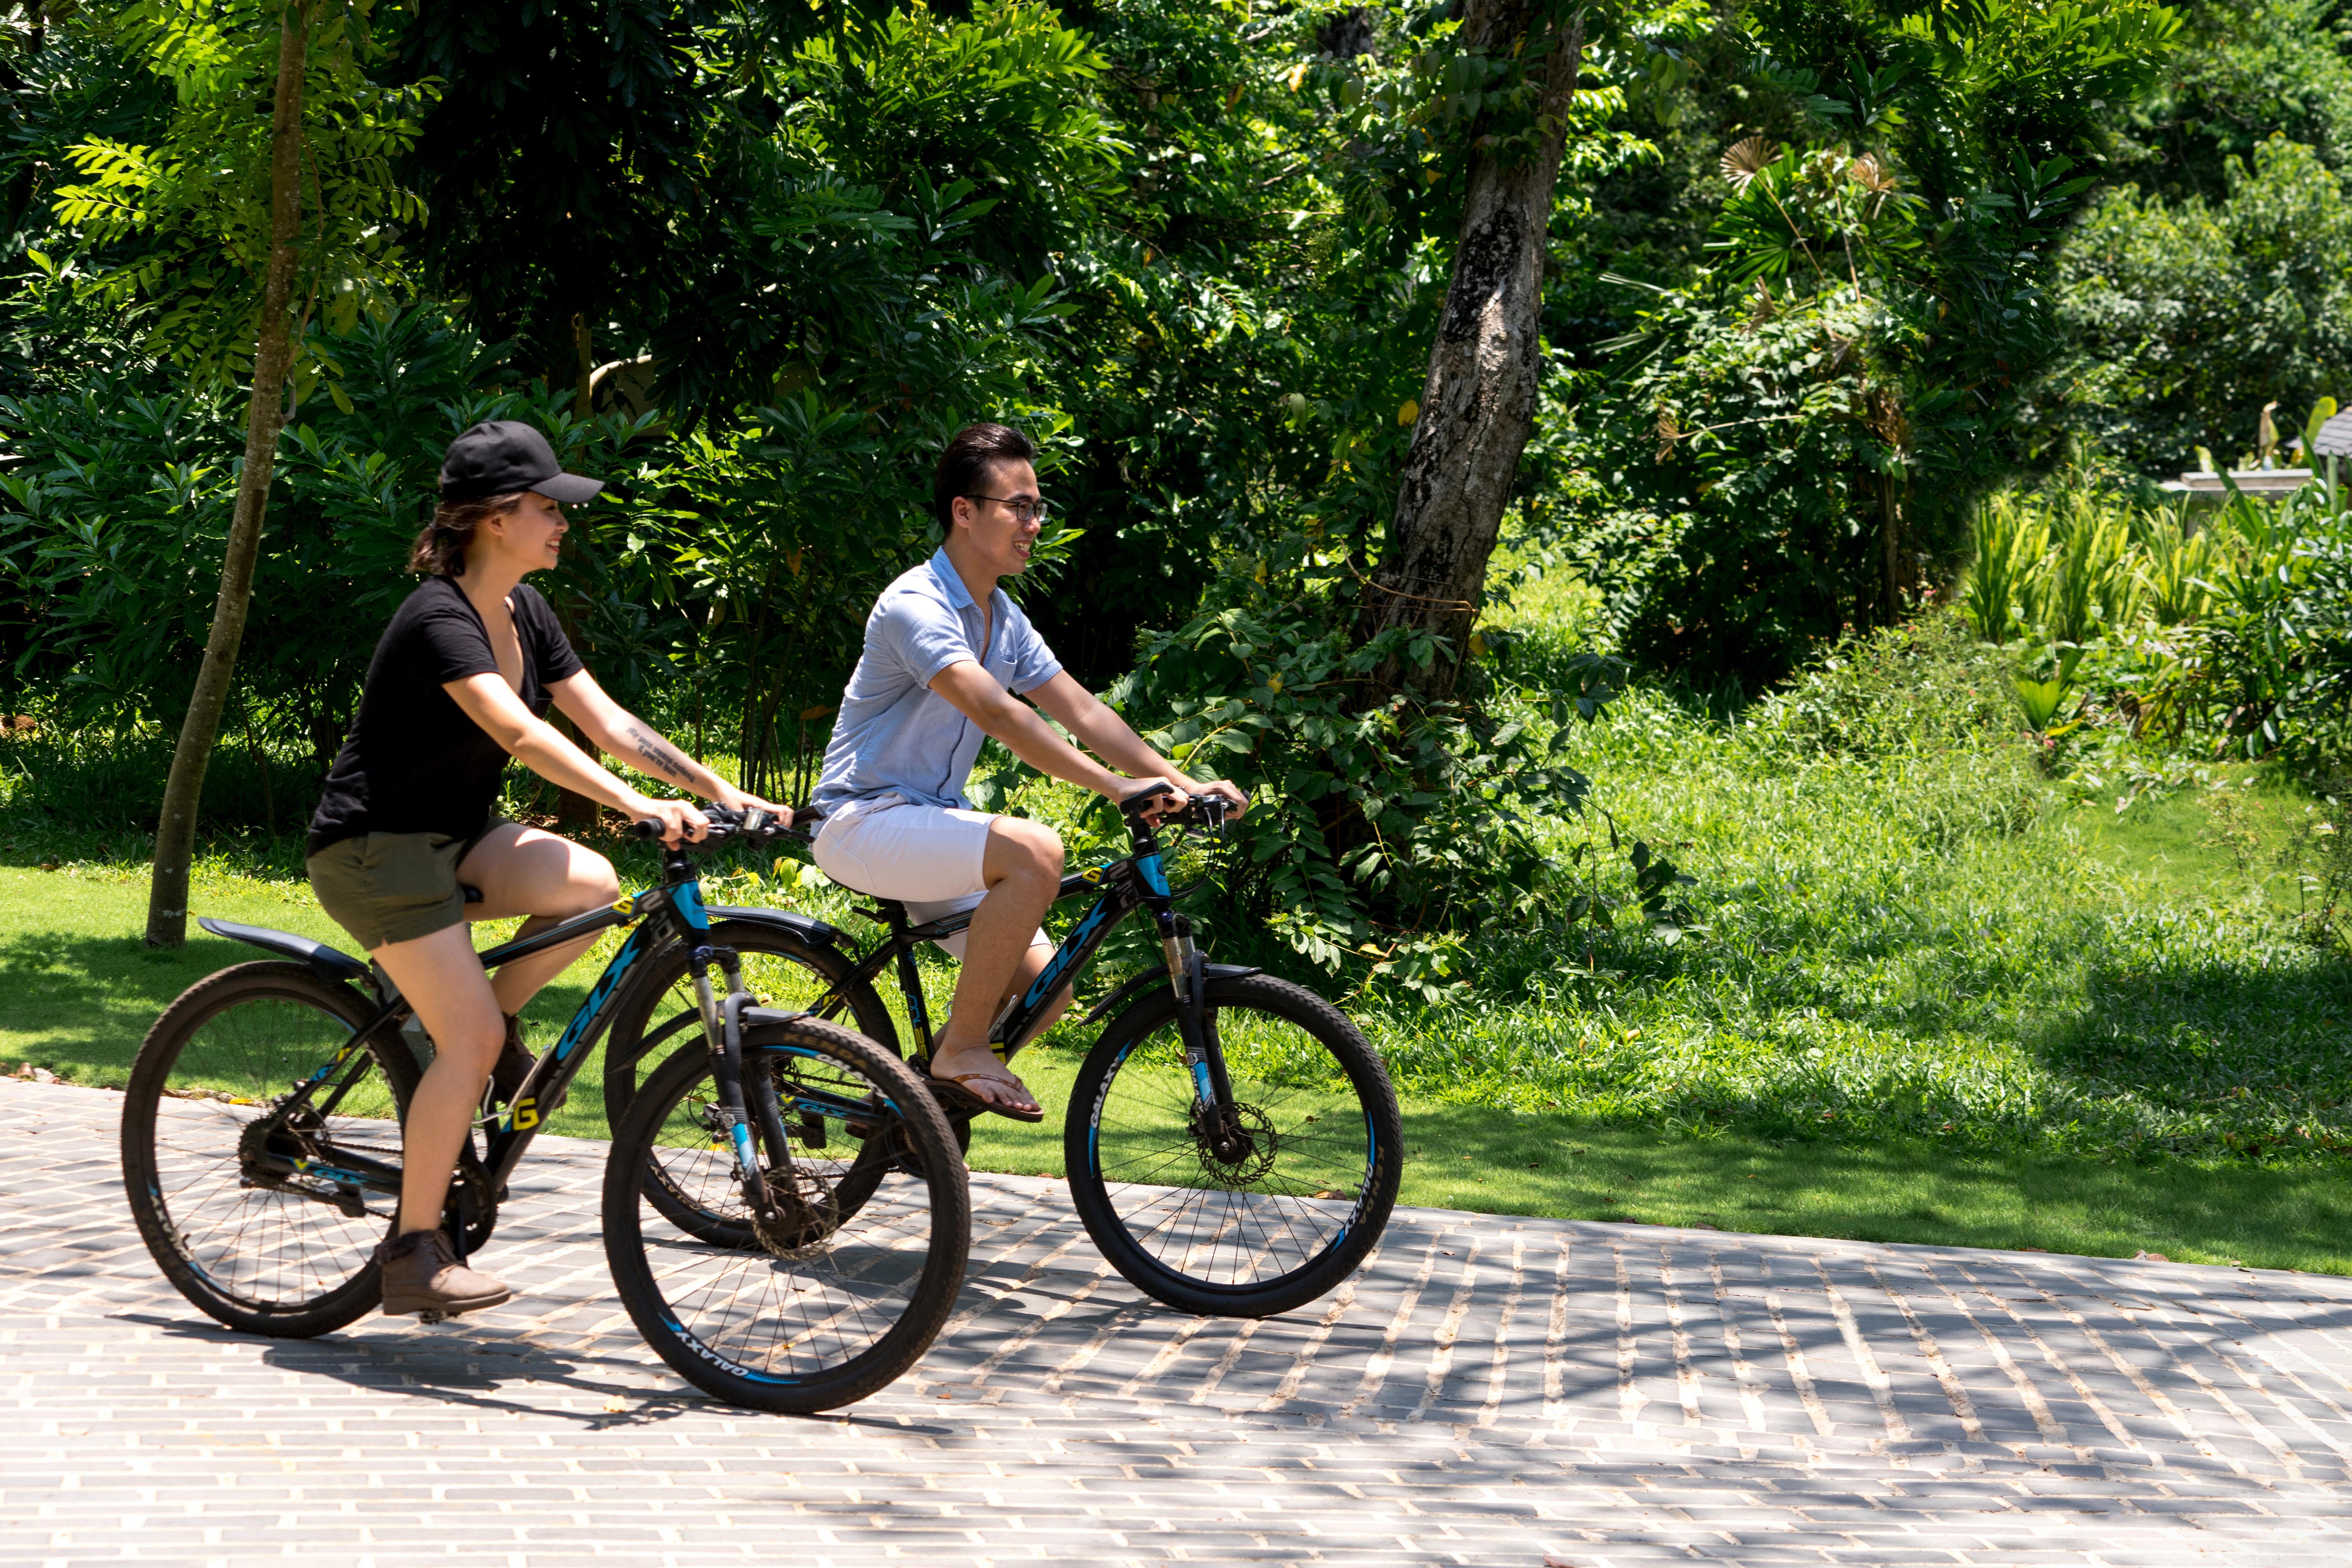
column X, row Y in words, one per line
column 928, row 858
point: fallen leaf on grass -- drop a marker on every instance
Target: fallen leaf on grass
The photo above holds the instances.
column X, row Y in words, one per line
column 2149, row 1257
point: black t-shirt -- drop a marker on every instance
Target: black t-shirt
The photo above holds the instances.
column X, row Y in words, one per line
column 414, row 763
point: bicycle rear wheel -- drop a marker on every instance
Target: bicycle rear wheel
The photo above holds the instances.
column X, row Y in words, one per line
column 838, row 1300
column 1260, row 1229
column 249, row 1213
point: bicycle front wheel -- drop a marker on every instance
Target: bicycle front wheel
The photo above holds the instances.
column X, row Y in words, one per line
column 782, row 969
column 832, row 1301
column 241, row 1189
column 1286, row 1211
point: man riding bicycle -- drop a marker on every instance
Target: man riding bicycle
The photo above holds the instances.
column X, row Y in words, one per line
column 944, row 646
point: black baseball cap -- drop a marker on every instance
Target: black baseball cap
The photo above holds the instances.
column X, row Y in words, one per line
column 498, row 457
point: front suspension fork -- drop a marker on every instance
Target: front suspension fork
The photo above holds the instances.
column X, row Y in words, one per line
column 739, row 1105
column 1204, row 1056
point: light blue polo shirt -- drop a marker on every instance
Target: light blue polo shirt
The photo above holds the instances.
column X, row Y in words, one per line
column 894, row 734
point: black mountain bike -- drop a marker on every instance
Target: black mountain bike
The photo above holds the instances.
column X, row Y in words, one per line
column 1233, row 1141
column 785, row 1209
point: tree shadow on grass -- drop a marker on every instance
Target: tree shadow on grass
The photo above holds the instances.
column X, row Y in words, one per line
column 79, row 1006
column 2245, row 1050
column 1898, row 1189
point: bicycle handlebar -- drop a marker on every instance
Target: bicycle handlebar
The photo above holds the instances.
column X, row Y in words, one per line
column 720, row 822
column 1141, row 800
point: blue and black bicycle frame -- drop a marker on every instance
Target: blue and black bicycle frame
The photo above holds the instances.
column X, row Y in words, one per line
column 286, row 1143
column 1139, row 882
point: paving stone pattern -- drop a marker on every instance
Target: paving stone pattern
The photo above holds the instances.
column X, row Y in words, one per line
column 1488, row 1391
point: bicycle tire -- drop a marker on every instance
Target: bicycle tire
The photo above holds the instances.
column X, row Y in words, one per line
column 841, row 1305
column 660, row 1010
column 1273, row 1228
column 280, row 1258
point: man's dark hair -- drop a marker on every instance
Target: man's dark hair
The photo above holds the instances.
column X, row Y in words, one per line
column 964, row 466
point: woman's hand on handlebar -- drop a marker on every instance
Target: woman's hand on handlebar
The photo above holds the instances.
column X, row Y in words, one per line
column 679, row 819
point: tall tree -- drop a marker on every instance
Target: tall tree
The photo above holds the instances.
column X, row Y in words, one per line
column 1478, row 402
column 202, row 241
column 273, row 354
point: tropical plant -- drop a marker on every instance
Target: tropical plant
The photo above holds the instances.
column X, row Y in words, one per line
column 2090, row 579
column 2012, row 544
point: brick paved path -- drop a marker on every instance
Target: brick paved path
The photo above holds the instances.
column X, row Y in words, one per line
column 1490, row 1390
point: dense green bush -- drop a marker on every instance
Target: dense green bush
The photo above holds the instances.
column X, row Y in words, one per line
column 2186, row 317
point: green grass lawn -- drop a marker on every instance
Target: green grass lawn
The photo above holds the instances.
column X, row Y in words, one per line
column 77, row 990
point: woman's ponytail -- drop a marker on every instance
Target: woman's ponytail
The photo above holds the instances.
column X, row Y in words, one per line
column 440, row 549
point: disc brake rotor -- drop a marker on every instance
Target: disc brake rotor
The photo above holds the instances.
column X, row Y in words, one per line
column 1251, row 1146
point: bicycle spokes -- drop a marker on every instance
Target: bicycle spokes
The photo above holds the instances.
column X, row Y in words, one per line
column 833, row 1262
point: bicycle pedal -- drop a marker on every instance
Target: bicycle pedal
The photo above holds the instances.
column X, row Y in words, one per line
column 432, row 1315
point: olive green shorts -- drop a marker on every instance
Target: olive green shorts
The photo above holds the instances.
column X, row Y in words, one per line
column 391, row 887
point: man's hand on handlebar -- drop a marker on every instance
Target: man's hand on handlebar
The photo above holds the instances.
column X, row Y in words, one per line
column 1235, row 801
column 1167, row 799
column 1164, row 797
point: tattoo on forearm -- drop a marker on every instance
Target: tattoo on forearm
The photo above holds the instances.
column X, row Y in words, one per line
column 657, row 756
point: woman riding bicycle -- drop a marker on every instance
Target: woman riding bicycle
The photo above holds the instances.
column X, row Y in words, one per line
column 406, row 834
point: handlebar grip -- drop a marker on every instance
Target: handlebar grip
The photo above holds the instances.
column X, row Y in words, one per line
column 1141, row 800
column 646, row 827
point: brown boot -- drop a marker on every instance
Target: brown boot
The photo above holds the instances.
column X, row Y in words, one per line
column 515, row 1062
column 421, row 1274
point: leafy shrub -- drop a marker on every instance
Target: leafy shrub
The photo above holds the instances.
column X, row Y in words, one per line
column 1388, row 829
column 2186, row 317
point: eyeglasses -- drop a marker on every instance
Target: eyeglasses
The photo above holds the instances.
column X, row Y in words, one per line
column 1021, row 508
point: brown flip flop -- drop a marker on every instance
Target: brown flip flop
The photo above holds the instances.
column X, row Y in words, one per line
column 950, row 1092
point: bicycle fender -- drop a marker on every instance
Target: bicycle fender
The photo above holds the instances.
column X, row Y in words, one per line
column 1137, row 983
column 329, row 964
column 800, row 925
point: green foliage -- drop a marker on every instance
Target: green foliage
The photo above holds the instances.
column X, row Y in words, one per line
column 112, row 527
column 175, row 233
column 1898, row 931
column 1749, row 439
column 1394, row 833
column 2226, row 627
column 586, row 160
column 2248, row 70
column 2091, row 580
column 1786, row 440
column 1000, row 99
column 2186, row 317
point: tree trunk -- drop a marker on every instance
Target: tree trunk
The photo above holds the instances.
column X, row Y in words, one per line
column 175, row 831
column 1890, row 545
column 575, row 812
column 1478, row 402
